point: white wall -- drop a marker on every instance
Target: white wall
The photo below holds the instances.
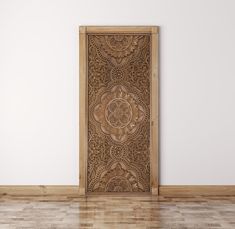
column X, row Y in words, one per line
column 39, row 86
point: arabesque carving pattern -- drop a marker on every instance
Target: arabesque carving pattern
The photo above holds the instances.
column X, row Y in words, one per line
column 119, row 113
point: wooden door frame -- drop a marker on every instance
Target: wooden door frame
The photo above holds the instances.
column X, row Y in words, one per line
column 83, row 99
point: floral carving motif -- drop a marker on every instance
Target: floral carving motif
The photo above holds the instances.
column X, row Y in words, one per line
column 119, row 67
column 118, row 45
column 118, row 179
column 116, row 74
column 118, row 113
column 117, row 152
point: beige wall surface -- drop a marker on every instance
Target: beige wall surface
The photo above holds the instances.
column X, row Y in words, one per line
column 39, row 87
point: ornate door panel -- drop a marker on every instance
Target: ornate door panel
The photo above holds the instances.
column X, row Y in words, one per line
column 118, row 103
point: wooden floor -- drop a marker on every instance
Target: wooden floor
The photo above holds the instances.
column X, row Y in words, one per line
column 117, row 212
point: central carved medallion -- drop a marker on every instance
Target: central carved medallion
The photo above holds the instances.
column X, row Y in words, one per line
column 118, row 113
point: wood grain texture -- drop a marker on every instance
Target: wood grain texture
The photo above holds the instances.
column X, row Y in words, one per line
column 166, row 190
column 120, row 65
column 122, row 29
column 154, row 137
column 63, row 212
column 82, row 110
column 196, row 190
column 38, row 190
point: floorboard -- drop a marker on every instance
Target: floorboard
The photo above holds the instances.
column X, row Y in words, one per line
column 116, row 212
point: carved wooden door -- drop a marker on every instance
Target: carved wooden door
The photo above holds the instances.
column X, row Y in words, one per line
column 118, row 78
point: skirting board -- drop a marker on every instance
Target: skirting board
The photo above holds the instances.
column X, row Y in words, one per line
column 73, row 190
column 196, row 190
column 39, row 190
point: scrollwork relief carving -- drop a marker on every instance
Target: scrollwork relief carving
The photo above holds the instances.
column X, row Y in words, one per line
column 119, row 108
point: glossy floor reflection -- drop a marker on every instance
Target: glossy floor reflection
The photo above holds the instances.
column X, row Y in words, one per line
column 117, row 212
